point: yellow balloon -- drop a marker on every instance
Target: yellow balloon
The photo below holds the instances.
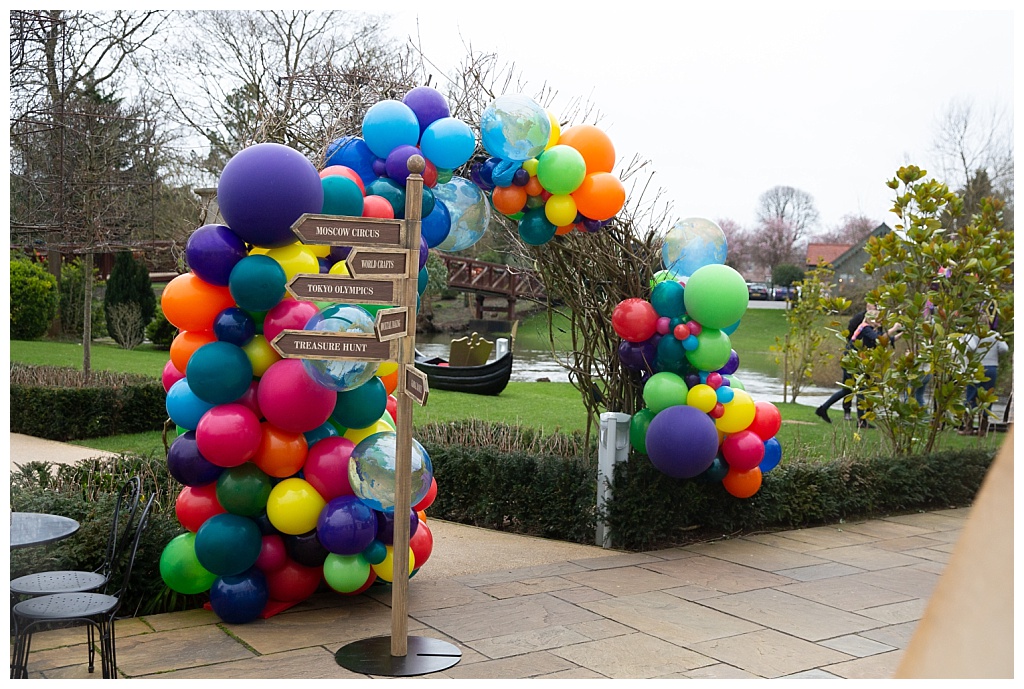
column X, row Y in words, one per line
column 388, row 421
column 702, row 397
column 358, row 434
column 295, row 258
column 385, row 569
column 261, row 355
column 556, row 131
column 319, row 250
column 531, row 166
column 259, row 251
column 294, row 506
column 387, row 368
column 560, row 210
column 339, row 268
column 739, row 413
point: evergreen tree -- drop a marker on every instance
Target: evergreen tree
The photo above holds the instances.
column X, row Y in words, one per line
column 129, row 283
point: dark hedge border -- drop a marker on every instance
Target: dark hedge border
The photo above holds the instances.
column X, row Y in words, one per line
column 65, row 413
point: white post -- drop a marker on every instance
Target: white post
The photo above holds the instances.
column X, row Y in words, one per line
column 500, row 347
column 613, row 448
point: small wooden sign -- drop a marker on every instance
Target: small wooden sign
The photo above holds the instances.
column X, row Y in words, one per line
column 392, row 323
column 315, row 344
column 341, row 230
column 416, row 385
column 343, row 289
column 365, row 263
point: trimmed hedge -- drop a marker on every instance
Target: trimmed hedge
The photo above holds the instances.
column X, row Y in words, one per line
column 59, row 404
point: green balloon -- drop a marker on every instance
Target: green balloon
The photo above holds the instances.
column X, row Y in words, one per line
column 638, row 425
column 180, row 568
column 664, row 390
column 712, row 352
column 716, row 296
column 661, row 276
column 346, row 573
column 735, row 383
column 561, row 169
column 244, row 490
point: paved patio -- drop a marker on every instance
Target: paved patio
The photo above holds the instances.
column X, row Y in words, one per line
column 833, row 601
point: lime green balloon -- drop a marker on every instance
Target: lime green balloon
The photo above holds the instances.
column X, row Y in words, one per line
column 716, row 296
column 661, row 276
column 561, row 169
column 712, row 352
column 180, row 568
column 664, row 390
column 735, row 383
column 638, row 425
column 346, row 573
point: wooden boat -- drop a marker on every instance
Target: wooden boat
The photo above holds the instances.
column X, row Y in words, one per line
column 487, row 379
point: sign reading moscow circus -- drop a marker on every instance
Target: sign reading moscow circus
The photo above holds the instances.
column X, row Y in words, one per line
column 347, row 231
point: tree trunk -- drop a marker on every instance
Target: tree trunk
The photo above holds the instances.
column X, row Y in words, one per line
column 87, row 316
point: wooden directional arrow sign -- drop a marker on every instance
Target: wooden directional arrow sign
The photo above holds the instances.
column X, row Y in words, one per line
column 344, row 230
column 342, row 288
column 365, row 263
column 416, row 384
column 316, row 344
column 392, row 323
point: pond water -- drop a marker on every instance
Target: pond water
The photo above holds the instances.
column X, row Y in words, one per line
column 759, row 374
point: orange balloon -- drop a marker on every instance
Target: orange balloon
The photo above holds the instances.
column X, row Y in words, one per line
column 185, row 343
column 742, row 484
column 564, row 229
column 593, row 144
column 600, row 196
column 534, row 187
column 281, row 454
column 189, row 303
column 390, row 381
column 509, row 200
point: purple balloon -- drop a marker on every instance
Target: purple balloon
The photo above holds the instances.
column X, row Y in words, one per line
column 340, row 253
column 187, row 465
column 732, row 365
column 592, row 225
column 212, row 251
column 520, row 177
column 691, row 379
column 428, row 104
column 682, row 441
column 424, row 252
column 397, row 163
column 264, row 189
column 346, row 526
column 386, row 526
column 380, row 167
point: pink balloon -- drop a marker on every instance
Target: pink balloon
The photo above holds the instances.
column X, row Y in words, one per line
column 289, row 314
column 377, row 207
column 273, row 555
column 743, row 451
column 291, row 400
column 229, row 435
column 249, row 399
column 326, row 467
column 171, row 375
column 344, row 172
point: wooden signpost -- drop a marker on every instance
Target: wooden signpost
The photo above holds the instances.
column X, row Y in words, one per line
column 383, row 269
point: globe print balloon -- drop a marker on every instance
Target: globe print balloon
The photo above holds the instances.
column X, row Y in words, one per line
column 515, row 128
column 691, row 244
column 371, row 471
column 341, row 375
column 469, row 210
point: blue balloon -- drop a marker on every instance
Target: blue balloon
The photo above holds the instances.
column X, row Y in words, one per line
column 219, row 372
column 436, row 226
column 505, row 172
column 184, row 407
column 234, row 325
column 772, row 455
column 448, row 143
column 239, row 598
column 353, row 153
column 387, row 124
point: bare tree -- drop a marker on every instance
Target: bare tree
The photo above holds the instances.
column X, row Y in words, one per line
column 740, row 242
column 849, row 230
column 785, row 217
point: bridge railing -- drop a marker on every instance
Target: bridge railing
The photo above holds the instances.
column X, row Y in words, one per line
column 493, row 278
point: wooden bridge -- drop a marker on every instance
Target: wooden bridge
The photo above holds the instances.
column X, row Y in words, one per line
column 493, row 280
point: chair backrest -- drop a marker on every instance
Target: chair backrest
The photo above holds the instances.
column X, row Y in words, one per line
column 126, row 573
column 470, row 351
column 121, row 531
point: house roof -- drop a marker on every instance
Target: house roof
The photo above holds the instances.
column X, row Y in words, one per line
column 858, row 248
column 825, row 252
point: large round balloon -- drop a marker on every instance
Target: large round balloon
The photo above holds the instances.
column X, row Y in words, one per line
column 235, row 326
column 387, row 124
column 359, row 407
column 634, row 319
column 184, row 408
column 371, row 471
column 600, row 196
column 682, row 441
column 257, row 283
column 228, row 434
column 264, row 189
column 326, row 467
column 190, row 303
column 289, row 314
column 561, row 169
column 468, row 210
column 353, row 153
column 712, row 351
column 342, row 196
column 282, row 453
column 244, row 490
column 228, row 544
column 187, row 465
column 346, row 525
column 693, row 243
column 294, row 506
column 212, row 251
column 219, row 372
column 664, row 390
column 180, row 568
column 196, row 504
column 427, row 104
column 514, row 127
column 716, row 296
column 239, row 598
column 448, row 142
column 593, row 144
column 436, row 226
column 346, row 573
column 291, row 400
column 338, row 375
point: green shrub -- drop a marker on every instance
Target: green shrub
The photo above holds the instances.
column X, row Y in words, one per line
column 62, row 404
column 33, row 299
column 71, row 307
column 160, row 331
column 128, row 284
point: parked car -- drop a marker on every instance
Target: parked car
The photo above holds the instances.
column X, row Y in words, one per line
column 784, row 293
column 757, row 290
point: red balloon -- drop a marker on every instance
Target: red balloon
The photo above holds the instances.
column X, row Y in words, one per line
column 377, row 207
column 345, row 172
column 743, row 451
column 392, row 407
column 635, row 320
column 767, row 420
column 326, row 467
column 429, row 174
column 428, row 499
column 293, row 582
column 742, row 484
column 250, row 399
column 273, row 554
column 196, row 504
column 422, row 543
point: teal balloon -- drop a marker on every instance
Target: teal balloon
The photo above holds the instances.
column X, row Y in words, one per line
column 638, row 424
column 421, row 280
column 730, row 329
column 180, row 568
column 342, row 196
column 325, row 430
column 257, row 283
column 361, row 406
column 244, row 490
column 670, row 352
column 390, row 191
column 535, row 228
column 219, row 372
column 691, row 244
column 561, row 169
column 427, row 203
column 716, row 296
column 664, row 390
column 712, row 352
column 228, row 544
column 667, row 299
column 375, row 553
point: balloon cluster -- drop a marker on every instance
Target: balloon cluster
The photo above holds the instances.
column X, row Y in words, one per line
column 551, row 181
column 699, row 421
column 287, row 464
column 455, row 212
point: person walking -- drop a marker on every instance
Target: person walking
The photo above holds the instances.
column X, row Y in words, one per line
column 991, row 347
column 845, row 392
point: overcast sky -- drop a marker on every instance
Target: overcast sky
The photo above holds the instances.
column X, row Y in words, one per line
column 729, row 103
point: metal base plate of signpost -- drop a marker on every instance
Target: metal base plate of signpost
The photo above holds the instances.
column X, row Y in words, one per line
column 373, row 657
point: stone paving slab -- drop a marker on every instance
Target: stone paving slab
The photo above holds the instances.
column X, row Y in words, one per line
column 769, row 653
column 634, row 656
column 791, row 614
column 717, row 575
